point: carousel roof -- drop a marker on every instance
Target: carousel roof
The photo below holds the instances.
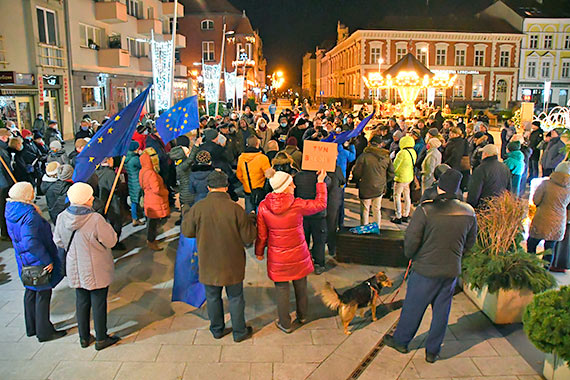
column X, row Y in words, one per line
column 408, row 63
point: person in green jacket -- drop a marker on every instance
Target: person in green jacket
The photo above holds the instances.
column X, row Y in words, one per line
column 515, row 163
column 133, row 167
column 404, row 174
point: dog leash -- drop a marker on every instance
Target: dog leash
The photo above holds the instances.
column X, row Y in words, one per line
column 400, row 287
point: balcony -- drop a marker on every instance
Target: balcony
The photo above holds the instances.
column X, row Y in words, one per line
column 51, row 56
column 180, row 70
column 145, row 64
column 179, row 40
column 111, row 12
column 168, row 10
column 114, row 58
column 145, row 26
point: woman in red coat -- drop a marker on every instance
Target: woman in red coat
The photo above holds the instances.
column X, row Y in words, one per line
column 156, row 206
column 280, row 228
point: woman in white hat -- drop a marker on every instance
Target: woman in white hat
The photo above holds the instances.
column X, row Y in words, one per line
column 89, row 262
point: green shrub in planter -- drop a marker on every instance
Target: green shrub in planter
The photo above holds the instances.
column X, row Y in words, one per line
column 547, row 322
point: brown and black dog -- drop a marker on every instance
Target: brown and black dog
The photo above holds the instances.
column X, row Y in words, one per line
column 362, row 295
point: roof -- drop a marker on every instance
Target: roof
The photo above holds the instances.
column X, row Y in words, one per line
column 407, row 63
column 533, row 9
column 208, row 6
column 243, row 26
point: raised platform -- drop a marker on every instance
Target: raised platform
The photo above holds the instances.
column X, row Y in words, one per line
column 385, row 249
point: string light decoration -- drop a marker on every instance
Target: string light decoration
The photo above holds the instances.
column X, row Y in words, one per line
column 558, row 117
column 250, row 39
column 161, row 73
column 230, row 84
column 211, row 74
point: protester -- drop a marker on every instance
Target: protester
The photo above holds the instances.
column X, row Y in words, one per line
column 52, row 133
column 335, row 207
column 272, row 149
column 33, row 245
column 554, row 153
column 430, row 162
column 297, row 132
column 279, row 228
column 57, row 153
column 264, row 133
column 490, row 178
column 508, row 131
column 106, row 177
column 527, row 153
column 250, row 171
column 85, row 130
column 201, row 169
column 515, row 162
column 180, row 156
column 39, row 124
column 292, row 150
column 56, row 192
column 221, row 254
column 535, row 140
column 79, row 145
column 133, row 167
column 6, row 180
column 404, row 175
column 272, row 110
column 436, row 264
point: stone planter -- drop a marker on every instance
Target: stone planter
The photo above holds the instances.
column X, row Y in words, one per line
column 504, row 307
column 555, row 368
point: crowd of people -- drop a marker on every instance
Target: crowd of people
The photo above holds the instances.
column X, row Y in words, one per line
column 292, row 215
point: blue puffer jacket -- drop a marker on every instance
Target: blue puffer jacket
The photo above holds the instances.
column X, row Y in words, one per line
column 345, row 156
column 198, row 181
column 133, row 166
column 33, row 241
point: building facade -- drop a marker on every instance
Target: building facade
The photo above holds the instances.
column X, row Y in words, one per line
column 486, row 63
column 34, row 67
column 205, row 21
column 309, row 79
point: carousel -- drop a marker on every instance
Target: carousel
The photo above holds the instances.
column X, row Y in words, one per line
column 408, row 77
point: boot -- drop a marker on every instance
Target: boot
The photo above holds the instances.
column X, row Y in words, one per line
column 153, row 245
column 137, row 222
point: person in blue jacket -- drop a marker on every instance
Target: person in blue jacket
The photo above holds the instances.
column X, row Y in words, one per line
column 346, row 155
column 33, row 243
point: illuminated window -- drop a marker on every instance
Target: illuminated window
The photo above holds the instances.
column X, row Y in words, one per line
column 478, row 86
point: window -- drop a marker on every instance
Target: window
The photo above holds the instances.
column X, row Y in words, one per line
column 375, row 54
column 460, row 57
column 545, row 72
column 207, row 25
column 533, row 42
column 134, row 8
column 478, row 86
column 47, row 28
column 567, row 42
column 422, row 56
column 136, row 48
column 93, row 98
column 504, row 58
column 400, row 53
column 249, row 50
column 208, row 50
column 239, row 46
column 89, row 35
column 458, row 89
column 531, row 69
column 440, row 56
column 565, row 69
column 548, row 41
column 480, row 57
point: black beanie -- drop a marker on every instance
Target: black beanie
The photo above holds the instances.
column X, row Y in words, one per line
column 449, row 181
column 217, row 179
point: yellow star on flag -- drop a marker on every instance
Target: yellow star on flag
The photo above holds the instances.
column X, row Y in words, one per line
column 185, row 121
column 100, row 140
column 117, row 118
column 185, row 115
column 167, row 120
column 91, row 159
column 179, row 108
column 110, row 131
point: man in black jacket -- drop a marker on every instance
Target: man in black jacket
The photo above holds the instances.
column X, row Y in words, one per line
column 536, row 137
column 436, row 259
column 5, row 180
column 490, row 178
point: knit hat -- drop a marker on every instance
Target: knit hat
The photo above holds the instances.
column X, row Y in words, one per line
column 55, row 145
column 51, row 168
column 291, row 141
column 434, row 143
column 134, row 145
column 26, row 133
column 22, row 191
column 514, row 145
column 563, row 167
column 209, row 134
column 280, row 181
column 449, row 181
column 79, row 193
column 217, row 179
column 433, row 131
column 204, row 157
column 490, row 150
column 64, row 172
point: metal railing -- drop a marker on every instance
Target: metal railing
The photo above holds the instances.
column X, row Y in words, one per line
column 51, row 56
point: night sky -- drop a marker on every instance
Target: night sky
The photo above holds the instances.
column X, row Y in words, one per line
column 290, row 28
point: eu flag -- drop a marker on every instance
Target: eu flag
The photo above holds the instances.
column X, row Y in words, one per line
column 112, row 139
column 186, row 287
column 347, row 135
column 178, row 120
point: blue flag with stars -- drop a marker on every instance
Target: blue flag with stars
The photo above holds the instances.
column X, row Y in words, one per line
column 178, row 120
column 187, row 287
column 112, row 139
column 347, row 135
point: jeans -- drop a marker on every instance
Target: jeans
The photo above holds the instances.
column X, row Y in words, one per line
column 301, row 298
column 423, row 291
column 365, row 205
column 532, row 243
column 515, row 184
column 36, row 313
column 317, row 228
column 85, row 300
column 399, row 189
column 134, row 211
column 215, row 308
column 249, row 206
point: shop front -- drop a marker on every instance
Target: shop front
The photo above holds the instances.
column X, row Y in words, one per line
column 17, row 98
column 534, row 92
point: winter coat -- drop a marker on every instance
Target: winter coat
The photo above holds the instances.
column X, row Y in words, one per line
column 405, row 160
column 5, row 179
column 490, row 178
column 32, row 240
column 155, row 142
column 372, row 171
column 198, row 184
column 89, row 261
column 106, row 176
column 56, row 198
column 477, row 154
column 305, row 188
column 81, row 134
column 221, row 157
column 52, row 135
column 432, row 159
column 257, row 164
column 59, row 156
column 156, row 204
column 454, row 151
column 553, row 154
column 183, row 166
column 345, row 156
column 47, row 182
column 551, row 199
column 296, row 154
column 280, row 228
column 242, row 135
column 298, row 134
column 265, row 137
column 221, row 228
column 534, row 141
column 20, row 168
column 439, row 233
column 133, row 167
column 515, row 162
column 506, row 133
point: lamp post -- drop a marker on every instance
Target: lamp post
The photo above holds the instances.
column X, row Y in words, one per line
column 224, row 34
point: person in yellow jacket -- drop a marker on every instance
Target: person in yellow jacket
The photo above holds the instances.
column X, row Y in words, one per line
column 251, row 167
column 404, row 174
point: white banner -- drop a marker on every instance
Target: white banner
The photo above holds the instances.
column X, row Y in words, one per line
column 431, row 95
column 162, row 73
column 239, row 87
column 230, row 85
column 211, row 75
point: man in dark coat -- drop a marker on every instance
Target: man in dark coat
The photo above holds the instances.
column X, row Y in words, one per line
column 491, row 177
column 298, row 131
column 534, row 141
column 106, row 177
column 5, row 180
column 436, row 263
column 335, row 192
column 553, row 154
column 56, row 193
column 222, row 229
column 52, row 133
column 455, row 149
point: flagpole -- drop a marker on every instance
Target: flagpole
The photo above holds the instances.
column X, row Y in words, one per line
column 114, row 184
column 173, row 53
column 221, row 66
column 205, row 90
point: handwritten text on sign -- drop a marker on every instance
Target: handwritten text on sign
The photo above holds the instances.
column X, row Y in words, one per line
column 319, row 155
